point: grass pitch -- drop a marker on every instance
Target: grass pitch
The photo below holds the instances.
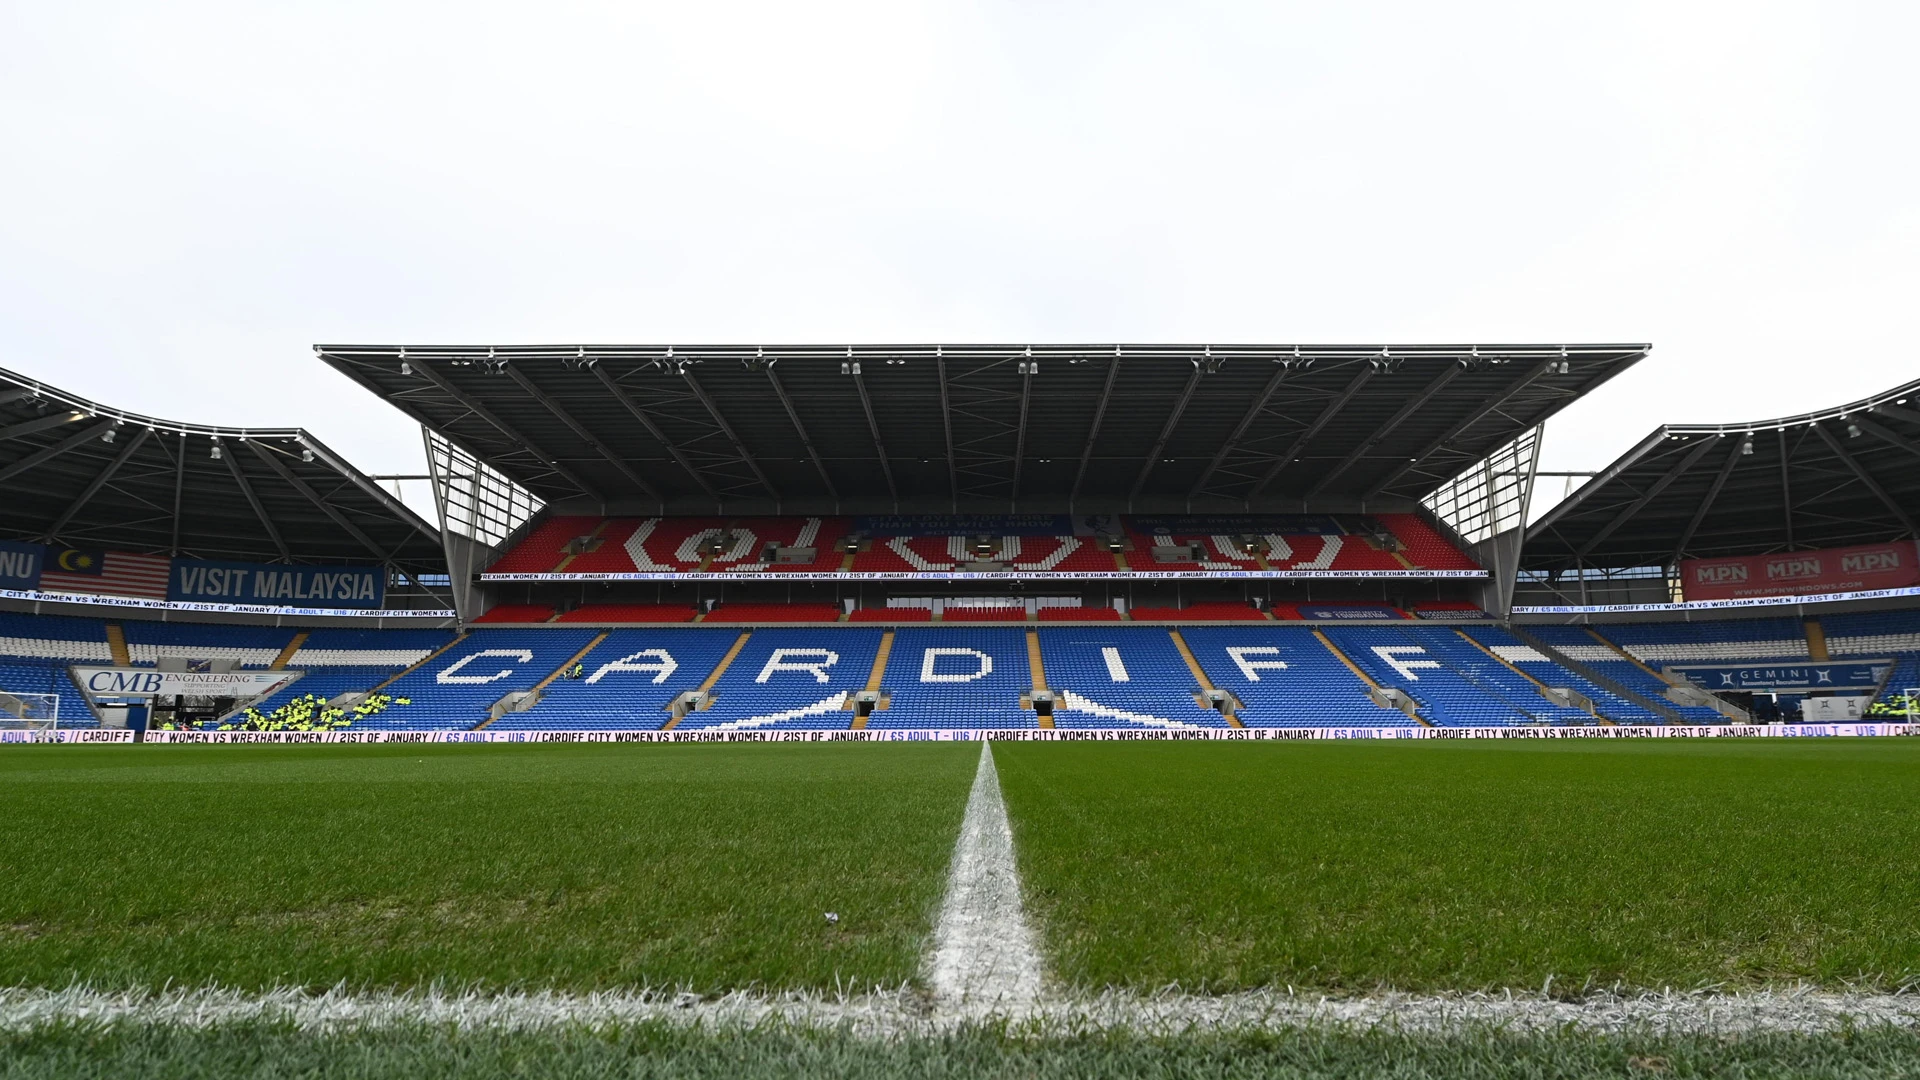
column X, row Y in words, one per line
column 567, row 867
column 1472, row 865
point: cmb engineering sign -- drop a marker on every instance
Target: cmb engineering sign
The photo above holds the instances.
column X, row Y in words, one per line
column 1797, row 573
column 276, row 584
column 100, row 682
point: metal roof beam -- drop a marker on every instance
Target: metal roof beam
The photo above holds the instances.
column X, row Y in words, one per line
column 1020, row 437
column 1093, row 433
column 1319, row 424
column 21, row 393
column 946, row 423
column 1886, row 435
column 426, row 371
column 1454, row 432
column 273, row 462
column 1786, row 490
column 1897, row 412
column 1240, row 429
column 1686, row 462
column 626, row 401
column 873, row 425
column 1866, row 478
column 48, row 453
column 179, row 489
column 1713, row 493
column 44, row 423
column 365, row 483
column 1600, row 480
column 579, row 429
column 806, row 440
column 739, row 447
column 253, row 498
column 99, row 481
column 1166, row 432
column 1380, row 433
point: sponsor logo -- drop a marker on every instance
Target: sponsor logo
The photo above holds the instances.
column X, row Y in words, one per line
column 1795, row 568
column 1720, row 575
column 1868, row 561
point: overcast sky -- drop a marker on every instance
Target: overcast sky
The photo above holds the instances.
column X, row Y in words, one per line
column 195, row 193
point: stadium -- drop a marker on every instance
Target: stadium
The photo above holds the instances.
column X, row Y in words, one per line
column 1113, row 689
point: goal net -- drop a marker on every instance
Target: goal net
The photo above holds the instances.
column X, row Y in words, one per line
column 22, row 710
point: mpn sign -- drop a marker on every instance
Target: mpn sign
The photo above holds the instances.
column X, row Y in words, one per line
column 1801, row 573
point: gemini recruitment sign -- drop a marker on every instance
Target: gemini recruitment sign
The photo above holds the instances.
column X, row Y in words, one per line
column 206, row 581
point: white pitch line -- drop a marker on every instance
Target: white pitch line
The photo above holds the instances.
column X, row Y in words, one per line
column 985, row 960
column 891, row 1014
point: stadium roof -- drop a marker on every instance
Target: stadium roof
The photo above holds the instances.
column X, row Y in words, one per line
column 1840, row 476
column 980, row 428
column 78, row 473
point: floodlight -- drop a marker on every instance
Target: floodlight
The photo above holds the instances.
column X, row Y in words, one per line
column 216, row 452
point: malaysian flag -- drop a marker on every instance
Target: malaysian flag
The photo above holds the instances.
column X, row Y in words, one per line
column 110, row 573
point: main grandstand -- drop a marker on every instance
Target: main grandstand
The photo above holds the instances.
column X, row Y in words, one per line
column 945, row 541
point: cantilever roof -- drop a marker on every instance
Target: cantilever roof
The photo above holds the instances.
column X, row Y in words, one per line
column 980, row 428
column 77, row 472
column 1845, row 475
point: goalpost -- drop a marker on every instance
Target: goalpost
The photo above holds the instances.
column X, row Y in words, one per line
column 28, row 711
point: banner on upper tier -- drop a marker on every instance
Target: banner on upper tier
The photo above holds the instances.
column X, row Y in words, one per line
column 146, row 682
column 965, row 524
column 1232, row 524
column 20, row 564
column 1349, row 612
column 199, row 580
column 1040, row 735
column 1831, row 570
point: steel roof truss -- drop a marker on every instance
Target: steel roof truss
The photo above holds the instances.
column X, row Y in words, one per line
column 739, row 446
column 99, row 481
column 619, row 463
column 806, row 440
column 1166, row 432
column 1680, row 468
column 39, row 424
column 273, row 462
column 1866, row 478
column 1319, row 424
column 873, row 427
column 1381, row 433
column 1437, row 445
column 1239, row 430
column 253, row 499
column 48, row 453
column 1706, row 504
column 428, row 372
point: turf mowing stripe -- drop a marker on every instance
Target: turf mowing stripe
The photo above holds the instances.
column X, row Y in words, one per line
column 984, row 956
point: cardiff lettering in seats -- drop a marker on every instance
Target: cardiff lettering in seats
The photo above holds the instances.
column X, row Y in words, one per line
column 981, row 663
column 1391, row 654
column 1243, row 658
column 451, row 676
column 663, row 666
column 796, row 660
column 1116, row 670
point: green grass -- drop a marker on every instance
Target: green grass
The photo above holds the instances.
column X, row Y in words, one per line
column 407, row 1053
column 565, row 867
column 1449, row 866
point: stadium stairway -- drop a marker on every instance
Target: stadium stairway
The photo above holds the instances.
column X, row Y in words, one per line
column 1287, row 676
column 1112, row 676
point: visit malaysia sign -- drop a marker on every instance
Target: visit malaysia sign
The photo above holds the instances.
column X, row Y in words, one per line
column 1798, row 573
column 276, row 584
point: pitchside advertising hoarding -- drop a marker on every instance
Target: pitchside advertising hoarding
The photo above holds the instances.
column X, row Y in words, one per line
column 1799, row 573
column 113, row 682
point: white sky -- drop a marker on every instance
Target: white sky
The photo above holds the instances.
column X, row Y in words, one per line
column 194, row 193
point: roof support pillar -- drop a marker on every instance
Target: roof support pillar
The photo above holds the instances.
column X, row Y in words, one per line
column 1020, row 436
column 946, row 424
